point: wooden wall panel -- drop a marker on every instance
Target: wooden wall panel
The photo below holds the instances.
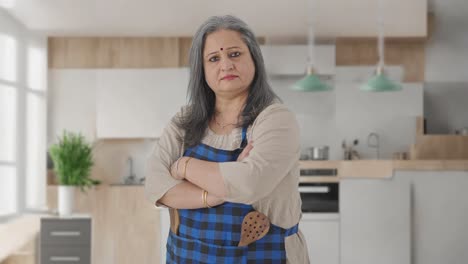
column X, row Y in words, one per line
column 120, row 52
column 410, row 53
column 72, row 52
column 440, row 147
column 184, row 48
column 113, row 52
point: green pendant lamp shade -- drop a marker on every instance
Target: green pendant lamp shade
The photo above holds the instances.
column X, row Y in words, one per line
column 380, row 83
column 311, row 83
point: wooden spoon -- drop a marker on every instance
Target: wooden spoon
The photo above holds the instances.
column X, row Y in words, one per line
column 254, row 227
column 174, row 217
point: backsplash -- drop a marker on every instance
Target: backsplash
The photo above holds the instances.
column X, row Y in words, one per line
column 111, row 156
column 327, row 118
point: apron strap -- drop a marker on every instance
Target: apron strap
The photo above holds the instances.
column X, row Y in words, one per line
column 293, row 230
column 244, row 138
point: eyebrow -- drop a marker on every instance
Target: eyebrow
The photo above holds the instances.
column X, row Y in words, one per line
column 234, row 47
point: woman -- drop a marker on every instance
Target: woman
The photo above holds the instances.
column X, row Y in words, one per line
column 234, row 149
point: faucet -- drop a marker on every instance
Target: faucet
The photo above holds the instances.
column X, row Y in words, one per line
column 375, row 144
column 130, row 179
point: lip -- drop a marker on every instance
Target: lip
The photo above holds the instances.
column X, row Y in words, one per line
column 229, row 77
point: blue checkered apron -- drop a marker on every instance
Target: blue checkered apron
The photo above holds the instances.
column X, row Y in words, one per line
column 211, row 235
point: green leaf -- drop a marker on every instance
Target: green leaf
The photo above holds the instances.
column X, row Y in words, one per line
column 73, row 159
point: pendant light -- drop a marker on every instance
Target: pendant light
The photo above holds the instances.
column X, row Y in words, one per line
column 311, row 82
column 380, row 82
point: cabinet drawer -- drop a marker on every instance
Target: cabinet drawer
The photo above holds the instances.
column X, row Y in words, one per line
column 65, row 255
column 65, row 232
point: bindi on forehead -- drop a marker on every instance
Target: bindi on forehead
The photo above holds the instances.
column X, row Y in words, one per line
column 222, row 48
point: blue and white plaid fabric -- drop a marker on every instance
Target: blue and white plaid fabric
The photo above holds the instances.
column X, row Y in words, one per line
column 211, row 235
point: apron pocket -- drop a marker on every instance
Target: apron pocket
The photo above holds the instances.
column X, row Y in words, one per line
column 180, row 250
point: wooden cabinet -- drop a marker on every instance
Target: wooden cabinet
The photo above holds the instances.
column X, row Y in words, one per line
column 138, row 103
column 125, row 226
column 322, row 235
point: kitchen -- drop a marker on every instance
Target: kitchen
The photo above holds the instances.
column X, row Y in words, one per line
column 401, row 202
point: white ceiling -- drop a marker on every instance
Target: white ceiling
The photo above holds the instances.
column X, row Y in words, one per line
column 182, row 17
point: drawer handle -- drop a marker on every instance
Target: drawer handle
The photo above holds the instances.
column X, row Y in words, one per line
column 314, row 189
column 71, row 259
column 65, row 233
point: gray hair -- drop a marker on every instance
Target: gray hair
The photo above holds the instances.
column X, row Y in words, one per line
column 201, row 99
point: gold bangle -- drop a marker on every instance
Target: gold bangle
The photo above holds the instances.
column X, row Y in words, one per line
column 185, row 166
column 205, row 199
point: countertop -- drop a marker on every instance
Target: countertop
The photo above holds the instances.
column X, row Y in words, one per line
column 377, row 168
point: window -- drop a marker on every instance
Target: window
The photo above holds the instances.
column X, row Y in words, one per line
column 8, row 55
column 8, row 129
column 23, row 71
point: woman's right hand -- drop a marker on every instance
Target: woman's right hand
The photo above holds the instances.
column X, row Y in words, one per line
column 245, row 152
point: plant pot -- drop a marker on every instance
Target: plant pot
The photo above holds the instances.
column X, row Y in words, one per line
column 66, row 199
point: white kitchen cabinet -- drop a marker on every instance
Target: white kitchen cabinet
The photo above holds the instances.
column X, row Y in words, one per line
column 322, row 233
column 439, row 215
column 71, row 102
column 138, row 103
column 375, row 221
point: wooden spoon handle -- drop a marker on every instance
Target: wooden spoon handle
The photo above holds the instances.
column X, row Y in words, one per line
column 174, row 216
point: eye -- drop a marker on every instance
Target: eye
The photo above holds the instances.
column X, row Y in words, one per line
column 235, row 54
column 213, row 59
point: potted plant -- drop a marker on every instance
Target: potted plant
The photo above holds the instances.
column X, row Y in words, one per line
column 73, row 160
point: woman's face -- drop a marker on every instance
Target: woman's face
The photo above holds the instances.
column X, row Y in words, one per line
column 229, row 68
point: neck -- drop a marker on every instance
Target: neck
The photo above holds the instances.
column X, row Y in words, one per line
column 230, row 108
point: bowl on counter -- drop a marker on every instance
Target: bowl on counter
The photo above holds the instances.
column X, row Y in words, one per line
column 318, row 153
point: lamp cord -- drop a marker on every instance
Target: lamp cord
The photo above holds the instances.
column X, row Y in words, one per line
column 311, row 39
column 381, row 39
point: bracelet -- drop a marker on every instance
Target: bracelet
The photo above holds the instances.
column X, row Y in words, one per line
column 205, row 199
column 177, row 166
column 185, row 166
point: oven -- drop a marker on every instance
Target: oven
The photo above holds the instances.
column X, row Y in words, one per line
column 319, row 197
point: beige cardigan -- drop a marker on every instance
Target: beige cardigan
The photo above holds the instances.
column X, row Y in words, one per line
column 267, row 178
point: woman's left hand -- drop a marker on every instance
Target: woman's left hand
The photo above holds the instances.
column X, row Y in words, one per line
column 176, row 173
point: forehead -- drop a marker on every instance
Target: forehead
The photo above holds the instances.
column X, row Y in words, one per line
column 222, row 39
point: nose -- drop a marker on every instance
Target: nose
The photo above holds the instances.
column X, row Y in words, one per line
column 226, row 64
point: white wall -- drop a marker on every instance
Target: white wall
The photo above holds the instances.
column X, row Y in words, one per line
column 327, row 118
column 445, row 107
column 446, row 89
column 447, row 49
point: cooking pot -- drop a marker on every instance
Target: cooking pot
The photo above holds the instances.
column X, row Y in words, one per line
column 318, row 153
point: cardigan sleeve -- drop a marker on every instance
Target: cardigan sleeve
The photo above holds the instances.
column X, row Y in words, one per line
column 276, row 149
column 157, row 167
